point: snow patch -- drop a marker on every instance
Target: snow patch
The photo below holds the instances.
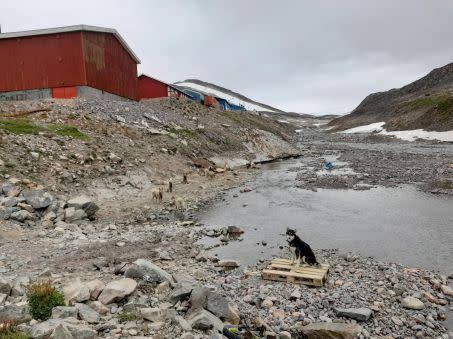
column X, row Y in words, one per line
column 375, row 127
column 411, row 135
column 234, row 100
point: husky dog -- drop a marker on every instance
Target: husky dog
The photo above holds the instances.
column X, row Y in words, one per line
column 300, row 250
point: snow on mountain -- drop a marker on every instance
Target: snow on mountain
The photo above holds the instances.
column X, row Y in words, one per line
column 232, row 97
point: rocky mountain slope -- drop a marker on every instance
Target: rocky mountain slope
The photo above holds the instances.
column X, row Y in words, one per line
column 231, row 96
column 424, row 104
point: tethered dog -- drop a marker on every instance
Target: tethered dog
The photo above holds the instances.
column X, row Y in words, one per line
column 300, row 250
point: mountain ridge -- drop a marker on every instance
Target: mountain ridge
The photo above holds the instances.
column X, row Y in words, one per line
column 426, row 103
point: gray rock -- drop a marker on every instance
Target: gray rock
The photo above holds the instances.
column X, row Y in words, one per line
column 17, row 313
column 5, row 286
column 412, row 303
column 117, row 290
column 76, row 291
column 99, row 307
column 6, row 188
column 38, row 199
column 397, row 321
column 87, row 313
column 44, row 329
column 331, row 331
column 10, row 202
column 146, row 270
column 61, row 312
column 222, row 308
column 359, row 314
column 85, row 203
column 61, row 332
column 95, row 286
column 199, row 298
column 81, row 331
column 151, row 314
column 5, row 212
column 21, row 216
column 72, row 215
column 2, row 298
column 204, row 320
column 228, row 263
column 19, row 286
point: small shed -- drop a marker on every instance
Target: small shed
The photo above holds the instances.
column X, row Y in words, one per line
column 149, row 88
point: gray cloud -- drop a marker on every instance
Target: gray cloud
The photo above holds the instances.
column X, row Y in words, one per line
column 306, row 56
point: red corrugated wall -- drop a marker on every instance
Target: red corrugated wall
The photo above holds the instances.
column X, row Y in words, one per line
column 44, row 61
column 150, row 88
column 108, row 65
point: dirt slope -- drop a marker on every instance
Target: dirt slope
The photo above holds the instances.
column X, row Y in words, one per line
column 426, row 103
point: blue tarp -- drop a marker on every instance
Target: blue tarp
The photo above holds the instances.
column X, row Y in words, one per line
column 224, row 105
column 195, row 96
column 234, row 107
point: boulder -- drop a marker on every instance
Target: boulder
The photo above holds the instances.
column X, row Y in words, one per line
column 5, row 212
column 412, row 303
column 72, row 215
column 222, row 308
column 16, row 313
column 331, row 331
column 199, row 298
column 204, row 320
column 5, row 286
column 19, row 286
column 151, row 314
column 180, row 293
column 85, row 203
column 76, row 291
column 87, row 314
column 95, row 286
column 61, row 332
column 117, row 290
column 99, row 307
column 359, row 314
column 2, row 298
column 61, row 312
column 81, row 331
column 146, row 270
column 21, row 216
column 44, row 329
column 38, row 198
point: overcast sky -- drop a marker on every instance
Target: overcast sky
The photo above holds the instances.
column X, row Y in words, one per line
column 311, row 56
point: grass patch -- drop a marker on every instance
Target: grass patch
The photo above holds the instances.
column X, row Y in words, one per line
column 8, row 330
column 22, row 126
column 182, row 132
column 124, row 317
column 41, row 298
column 444, row 103
column 68, row 131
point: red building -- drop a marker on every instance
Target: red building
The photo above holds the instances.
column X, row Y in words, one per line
column 149, row 88
column 66, row 62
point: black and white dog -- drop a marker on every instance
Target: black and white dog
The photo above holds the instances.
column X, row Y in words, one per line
column 300, row 250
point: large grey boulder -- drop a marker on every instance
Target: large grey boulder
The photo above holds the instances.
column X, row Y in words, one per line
column 95, row 286
column 222, row 308
column 359, row 314
column 5, row 212
column 80, row 331
column 16, row 313
column 61, row 312
column 87, row 314
column 38, row 198
column 117, row 290
column 76, row 291
column 5, row 286
column 61, row 332
column 72, row 215
column 146, row 270
column 22, row 215
column 331, row 331
column 204, row 320
column 85, row 203
column 44, row 329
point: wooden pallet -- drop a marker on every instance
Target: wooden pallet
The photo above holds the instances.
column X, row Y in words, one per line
column 282, row 270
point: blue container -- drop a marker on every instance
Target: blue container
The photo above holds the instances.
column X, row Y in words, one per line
column 195, row 96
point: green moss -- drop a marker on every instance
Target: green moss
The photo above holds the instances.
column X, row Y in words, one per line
column 185, row 133
column 22, row 126
column 68, row 131
column 443, row 103
column 126, row 316
column 42, row 297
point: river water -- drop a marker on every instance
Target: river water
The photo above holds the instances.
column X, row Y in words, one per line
column 400, row 225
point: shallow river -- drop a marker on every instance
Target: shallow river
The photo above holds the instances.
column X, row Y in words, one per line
column 400, row 225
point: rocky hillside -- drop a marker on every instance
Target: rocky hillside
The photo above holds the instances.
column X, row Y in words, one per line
column 231, row 96
column 426, row 103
